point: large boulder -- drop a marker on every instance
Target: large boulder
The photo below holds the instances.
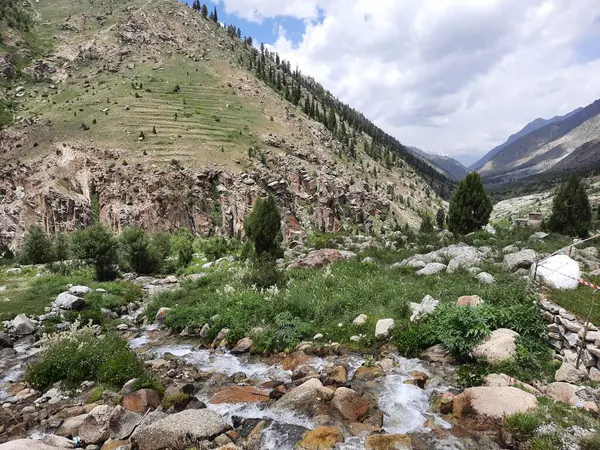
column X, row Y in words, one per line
column 563, row 392
column 427, row 306
column 492, row 403
column 5, row 341
column 383, row 328
column 95, row 427
column 80, row 290
column 519, row 260
column 23, row 325
column 569, row 373
column 240, row 394
column 26, row 444
column 242, row 346
column 432, row 269
column 68, row 301
column 499, row 346
column 321, row 258
column 141, row 401
column 186, row 429
column 558, row 272
column 321, row 438
column 350, row 404
column 70, row 427
column 122, row 423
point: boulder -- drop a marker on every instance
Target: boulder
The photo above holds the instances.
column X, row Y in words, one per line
column 23, row 325
column 563, row 392
column 469, row 300
column 7, row 66
column 5, row 341
column 187, row 429
column 569, row 373
column 161, row 314
column 95, row 427
column 383, row 328
column 427, row 306
column 321, row 258
column 432, row 269
column 492, row 403
column 58, row 441
column 388, row 442
column 122, row 423
column 503, row 380
column 321, row 438
column 80, row 290
column 437, row 354
column 26, row 444
column 242, row 346
column 499, row 346
column 70, row 427
column 303, row 398
column 338, row 374
column 69, row 302
column 366, row 373
column 558, row 272
column 350, row 404
column 360, row 320
column 519, row 260
column 141, row 401
column 240, row 394
column 485, row 278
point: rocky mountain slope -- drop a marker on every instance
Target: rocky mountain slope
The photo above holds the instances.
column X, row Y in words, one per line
column 149, row 114
column 542, row 149
column 531, row 126
column 448, row 166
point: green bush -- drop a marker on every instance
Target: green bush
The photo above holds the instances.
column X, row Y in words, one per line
column 217, row 247
column 183, row 246
column 264, row 273
column 98, row 247
column 286, row 332
column 591, row 442
column 137, row 252
column 470, row 206
column 263, row 227
column 571, row 210
column 426, row 224
column 81, row 356
column 37, row 247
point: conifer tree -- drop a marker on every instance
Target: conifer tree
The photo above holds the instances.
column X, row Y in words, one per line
column 263, row 227
column 571, row 210
column 196, row 5
column 470, row 206
column 426, row 224
column 441, row 219
column 204, row 11
column 215, row 16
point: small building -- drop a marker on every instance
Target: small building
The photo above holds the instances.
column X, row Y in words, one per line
column 536, row 216
column 533, row 220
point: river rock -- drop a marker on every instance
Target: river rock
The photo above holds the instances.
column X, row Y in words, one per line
column 469, row 300
column 498, row 347
column 558, row 272
column 122, row 423
column 485, row 278
column 388, row 442
column 242, row 346
column 427, row 306
column 23, row 325
column 5, row 341
column 302, row 398
column 492, row 403
column 141, row 401
column 240, row 394
column 519, row 260
column 187, row 429
column 70, row 427
column 503, row 380
column 569, row 373
column 321, row 438
column 26, row 444
column 58, row 441
column 383, row 328
column 432, row 269
column 80, row 290
column 68, row 302
column 161, row 314
column 366, row 373
column 350, row 404
column 321, row 258
column 95, row 427
column 437, row 354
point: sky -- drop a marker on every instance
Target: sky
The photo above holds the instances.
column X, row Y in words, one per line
column 455, row 77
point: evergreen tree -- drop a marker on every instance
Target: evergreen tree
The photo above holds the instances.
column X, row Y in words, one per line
column 470, row 206
column 426, row 224
column 215, row 16
column 263, row 227
column 37, row 247
column 441, row 219
column 196, row 5
column 204, row 11
column 571, row 210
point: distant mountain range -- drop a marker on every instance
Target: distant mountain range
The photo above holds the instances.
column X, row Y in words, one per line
column 450, row 167
column 570, row 142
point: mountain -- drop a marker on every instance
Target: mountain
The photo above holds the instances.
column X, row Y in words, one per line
column 149, row 114
column 539, row 151
column 450, row 167
column 531, row 126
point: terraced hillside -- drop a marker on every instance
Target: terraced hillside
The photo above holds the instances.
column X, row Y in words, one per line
column 145, row 113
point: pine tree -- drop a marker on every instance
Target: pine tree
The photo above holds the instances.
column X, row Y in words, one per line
column 426, row 224
column 441, row 219
column 196, row 5
column 215, row 16
column 470, row 206
column 263, row 227
column 204, row 11
column 571, row 210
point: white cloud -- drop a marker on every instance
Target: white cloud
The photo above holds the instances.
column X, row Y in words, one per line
column 452, row 76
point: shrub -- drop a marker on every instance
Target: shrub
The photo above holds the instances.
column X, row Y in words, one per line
column 61, row 247
column 98, row 247
column 183, row 246
column 137, row 253
column 591, row 442
column 426, row 224
column 37, row 247
column 264, row 273
column 571, row 211
column 286, row 333
column 263, row 227
column 470, row 206
column 79, row 355
column 215, row 248
column 441, row 219
column 523, row 424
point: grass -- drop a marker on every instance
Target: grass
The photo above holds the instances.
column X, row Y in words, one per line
column 525, row 426
column 581, row 301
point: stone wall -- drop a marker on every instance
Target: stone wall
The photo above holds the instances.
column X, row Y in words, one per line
column 565, row 335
